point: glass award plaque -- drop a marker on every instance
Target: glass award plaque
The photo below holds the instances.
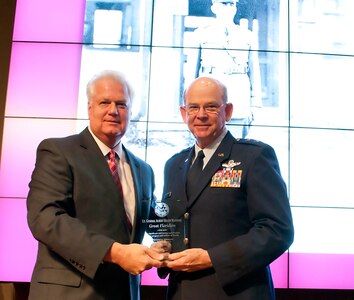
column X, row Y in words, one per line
column 168, row 220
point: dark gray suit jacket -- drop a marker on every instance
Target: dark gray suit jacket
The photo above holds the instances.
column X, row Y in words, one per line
column 75, row 212
column 243, row 228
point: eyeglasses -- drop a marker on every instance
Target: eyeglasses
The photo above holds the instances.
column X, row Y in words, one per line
column 193, row 109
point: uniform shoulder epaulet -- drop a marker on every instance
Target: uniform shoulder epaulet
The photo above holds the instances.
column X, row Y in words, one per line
column 249, row 141
column 181, row 152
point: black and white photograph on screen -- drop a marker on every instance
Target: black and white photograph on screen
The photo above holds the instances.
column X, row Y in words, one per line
column 242, row 43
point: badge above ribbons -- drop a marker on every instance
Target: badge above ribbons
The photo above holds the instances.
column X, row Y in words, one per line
column 228, row 176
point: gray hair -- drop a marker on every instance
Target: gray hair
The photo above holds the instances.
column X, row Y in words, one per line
column 115, row 75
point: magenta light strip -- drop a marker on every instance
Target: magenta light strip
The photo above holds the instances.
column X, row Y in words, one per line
column 321, row 271
column 54, row 20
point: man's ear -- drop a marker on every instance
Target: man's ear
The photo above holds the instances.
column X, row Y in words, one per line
column 183, row 113
column 229, row 108
column 89, row 105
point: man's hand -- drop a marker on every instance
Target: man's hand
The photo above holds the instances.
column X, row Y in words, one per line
column 134, row 258
column 189, row 260
column 161, row 247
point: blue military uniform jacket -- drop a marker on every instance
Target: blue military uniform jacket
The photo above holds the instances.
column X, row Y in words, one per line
column 240, row 213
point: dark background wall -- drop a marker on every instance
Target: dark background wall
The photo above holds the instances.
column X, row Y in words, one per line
column 7, row 12
column 19, row 290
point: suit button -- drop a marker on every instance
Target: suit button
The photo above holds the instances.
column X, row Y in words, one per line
column 186, row 216
column 186, row 241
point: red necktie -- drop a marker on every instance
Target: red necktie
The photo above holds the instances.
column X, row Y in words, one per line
column 114, row 170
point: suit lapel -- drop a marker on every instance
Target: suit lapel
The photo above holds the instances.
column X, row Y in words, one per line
column 221, row 154
column 94, row 156
column 95, row 159
column 184, row 168
column 136, row 174
column 99, row 165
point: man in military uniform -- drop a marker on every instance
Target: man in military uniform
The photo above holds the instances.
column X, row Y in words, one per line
column 235, row 203
column 226, row 52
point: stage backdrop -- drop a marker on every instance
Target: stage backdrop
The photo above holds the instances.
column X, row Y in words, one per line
column 305, row 57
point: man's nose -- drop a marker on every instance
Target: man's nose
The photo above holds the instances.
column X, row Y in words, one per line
column 202, row 112
column 113, row 109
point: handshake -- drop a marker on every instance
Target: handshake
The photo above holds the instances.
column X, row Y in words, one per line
column 136, row 258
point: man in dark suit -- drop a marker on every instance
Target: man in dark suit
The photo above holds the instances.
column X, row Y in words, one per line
column 237, row 207
column 88, row 228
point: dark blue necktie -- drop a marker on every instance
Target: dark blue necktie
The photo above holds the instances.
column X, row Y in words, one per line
column 194, row 173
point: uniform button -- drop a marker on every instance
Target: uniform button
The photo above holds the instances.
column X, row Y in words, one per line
column 186, row 241
column 186, row 216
